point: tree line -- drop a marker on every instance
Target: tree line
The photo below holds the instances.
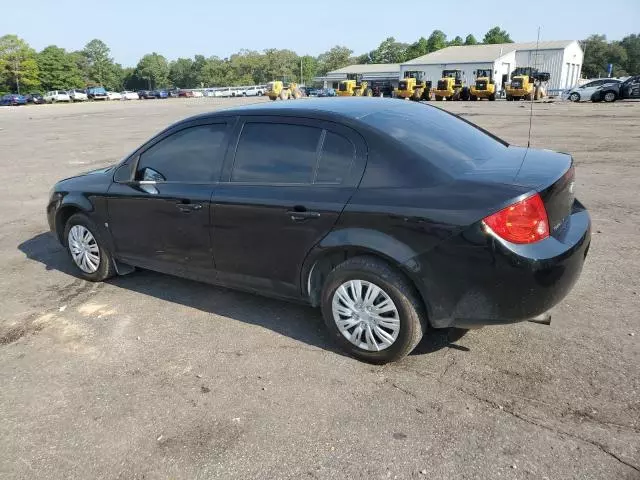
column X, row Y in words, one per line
column 24, row 69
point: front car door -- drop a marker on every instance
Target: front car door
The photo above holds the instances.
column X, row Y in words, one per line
column 160, row 218
column 282, row 190
column 631, row 88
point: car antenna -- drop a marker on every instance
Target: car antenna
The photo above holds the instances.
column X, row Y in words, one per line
column 534, row 90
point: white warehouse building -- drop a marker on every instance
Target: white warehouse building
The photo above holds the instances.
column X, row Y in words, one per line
column 562, row 59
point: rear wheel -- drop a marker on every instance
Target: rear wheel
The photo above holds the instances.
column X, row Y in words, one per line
column 87, row 250
column 372, row 310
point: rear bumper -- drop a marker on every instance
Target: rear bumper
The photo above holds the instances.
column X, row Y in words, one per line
column 443, row 93
column 517, row 92
column 475, row 279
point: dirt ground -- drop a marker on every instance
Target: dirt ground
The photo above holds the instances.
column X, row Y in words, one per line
column 154, row 377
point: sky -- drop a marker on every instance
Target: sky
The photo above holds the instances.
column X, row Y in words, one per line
column 183, row 29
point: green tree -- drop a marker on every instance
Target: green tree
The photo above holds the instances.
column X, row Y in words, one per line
column 154, row 68
column 631, row 45
column 181, row 73
column 496, row 35
column 58, row 69
column 436, row 41
column 309, row 69
column 389, row 51
column 456, row 42
column 417, row 49
column 470, row 40
column 334, row 59
column 18, row 65
column 99, row 64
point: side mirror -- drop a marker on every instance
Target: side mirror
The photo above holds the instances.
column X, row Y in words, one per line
column 150, row 175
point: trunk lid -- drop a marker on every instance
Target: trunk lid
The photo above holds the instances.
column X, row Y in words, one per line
column 551, row 174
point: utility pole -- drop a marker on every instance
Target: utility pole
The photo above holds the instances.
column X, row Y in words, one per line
column 17, row 73
column 301, row 77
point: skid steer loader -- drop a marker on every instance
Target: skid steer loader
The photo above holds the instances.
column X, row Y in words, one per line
column 484, row 86
column 451, row 87
column 413, row 87
column 278, row 89
column 354, row 86
column 527, row 83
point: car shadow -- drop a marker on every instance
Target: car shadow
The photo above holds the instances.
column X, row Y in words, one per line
column 296, row 321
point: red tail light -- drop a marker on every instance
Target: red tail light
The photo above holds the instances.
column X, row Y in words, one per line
column 523, row 222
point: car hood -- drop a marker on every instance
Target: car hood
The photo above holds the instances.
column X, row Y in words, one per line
column 100, row 176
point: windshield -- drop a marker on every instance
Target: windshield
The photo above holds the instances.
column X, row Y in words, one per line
column 448, row 142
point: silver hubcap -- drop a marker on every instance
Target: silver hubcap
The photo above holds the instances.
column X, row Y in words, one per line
column 609, row 97
column 365, row 315
column 574, row 97
column 84, row 249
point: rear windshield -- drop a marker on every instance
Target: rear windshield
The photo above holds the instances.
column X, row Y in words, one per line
column 448, row 142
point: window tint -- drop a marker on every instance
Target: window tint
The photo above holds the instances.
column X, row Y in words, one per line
column 336, row 159
column 190, row 155
column 276, row 153
column 444, row 140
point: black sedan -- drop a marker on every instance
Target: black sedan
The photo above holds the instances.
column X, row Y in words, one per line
column 35, row 98
column 627, row 90
column 391, row 216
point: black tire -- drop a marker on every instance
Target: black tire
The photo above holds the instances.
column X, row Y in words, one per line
column 609, row 97
column 473, row 98
column 492, row 97
column 106, row 268
column 438, row 98
column 412, row 317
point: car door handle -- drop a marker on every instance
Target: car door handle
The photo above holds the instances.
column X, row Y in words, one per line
column 189, row 207
column 304, row 215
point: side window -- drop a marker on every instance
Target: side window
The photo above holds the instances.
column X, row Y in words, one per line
column 336, row 159
column 190, row 155
column 276, row 153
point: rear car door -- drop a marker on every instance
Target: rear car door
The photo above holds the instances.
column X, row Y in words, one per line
column 160, row 218
column 283, row 187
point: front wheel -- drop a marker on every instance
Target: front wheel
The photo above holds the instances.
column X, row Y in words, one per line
column 87, row 250
column 609, row 97
column 372, row 311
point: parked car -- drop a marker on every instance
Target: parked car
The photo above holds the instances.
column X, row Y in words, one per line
column 146, row 94
column 127, row 95
column 327, row 92
column 77, row 95
column 223, row 92
column 97, row 93
column 406, row 217
column 114, row 95
column 629, row 89
column 209, row 93
column 584, row 92
column 311, row 91
column 160, row 94
column 57, row 96
column 253, row 92
column 35, row 98
column 13, row 99
column 186, row 93
column 174, row 92
column 197, row 94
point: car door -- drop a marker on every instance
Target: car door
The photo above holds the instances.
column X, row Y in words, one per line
column 159, row 214
column 282, row 190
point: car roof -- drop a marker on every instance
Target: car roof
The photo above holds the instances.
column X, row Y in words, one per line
column 340, row 108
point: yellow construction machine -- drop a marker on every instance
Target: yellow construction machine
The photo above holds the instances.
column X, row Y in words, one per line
column 354, row 86
column 414, row 87
column 282, row 90
column 451, row 86
column 527, row 83
column 484, row 86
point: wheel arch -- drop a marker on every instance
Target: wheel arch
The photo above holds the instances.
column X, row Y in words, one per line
column 344, row 244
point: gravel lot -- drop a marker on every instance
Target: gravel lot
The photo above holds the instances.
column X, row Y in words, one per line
column 154, row 377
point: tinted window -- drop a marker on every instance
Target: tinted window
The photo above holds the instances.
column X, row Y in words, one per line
column 276, row 153
column 336, row 159
column 190, row 155
column 594, row 84
column 445, row 140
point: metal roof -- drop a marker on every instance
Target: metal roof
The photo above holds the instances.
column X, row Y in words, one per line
column 368, row 68
column 483, row 53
